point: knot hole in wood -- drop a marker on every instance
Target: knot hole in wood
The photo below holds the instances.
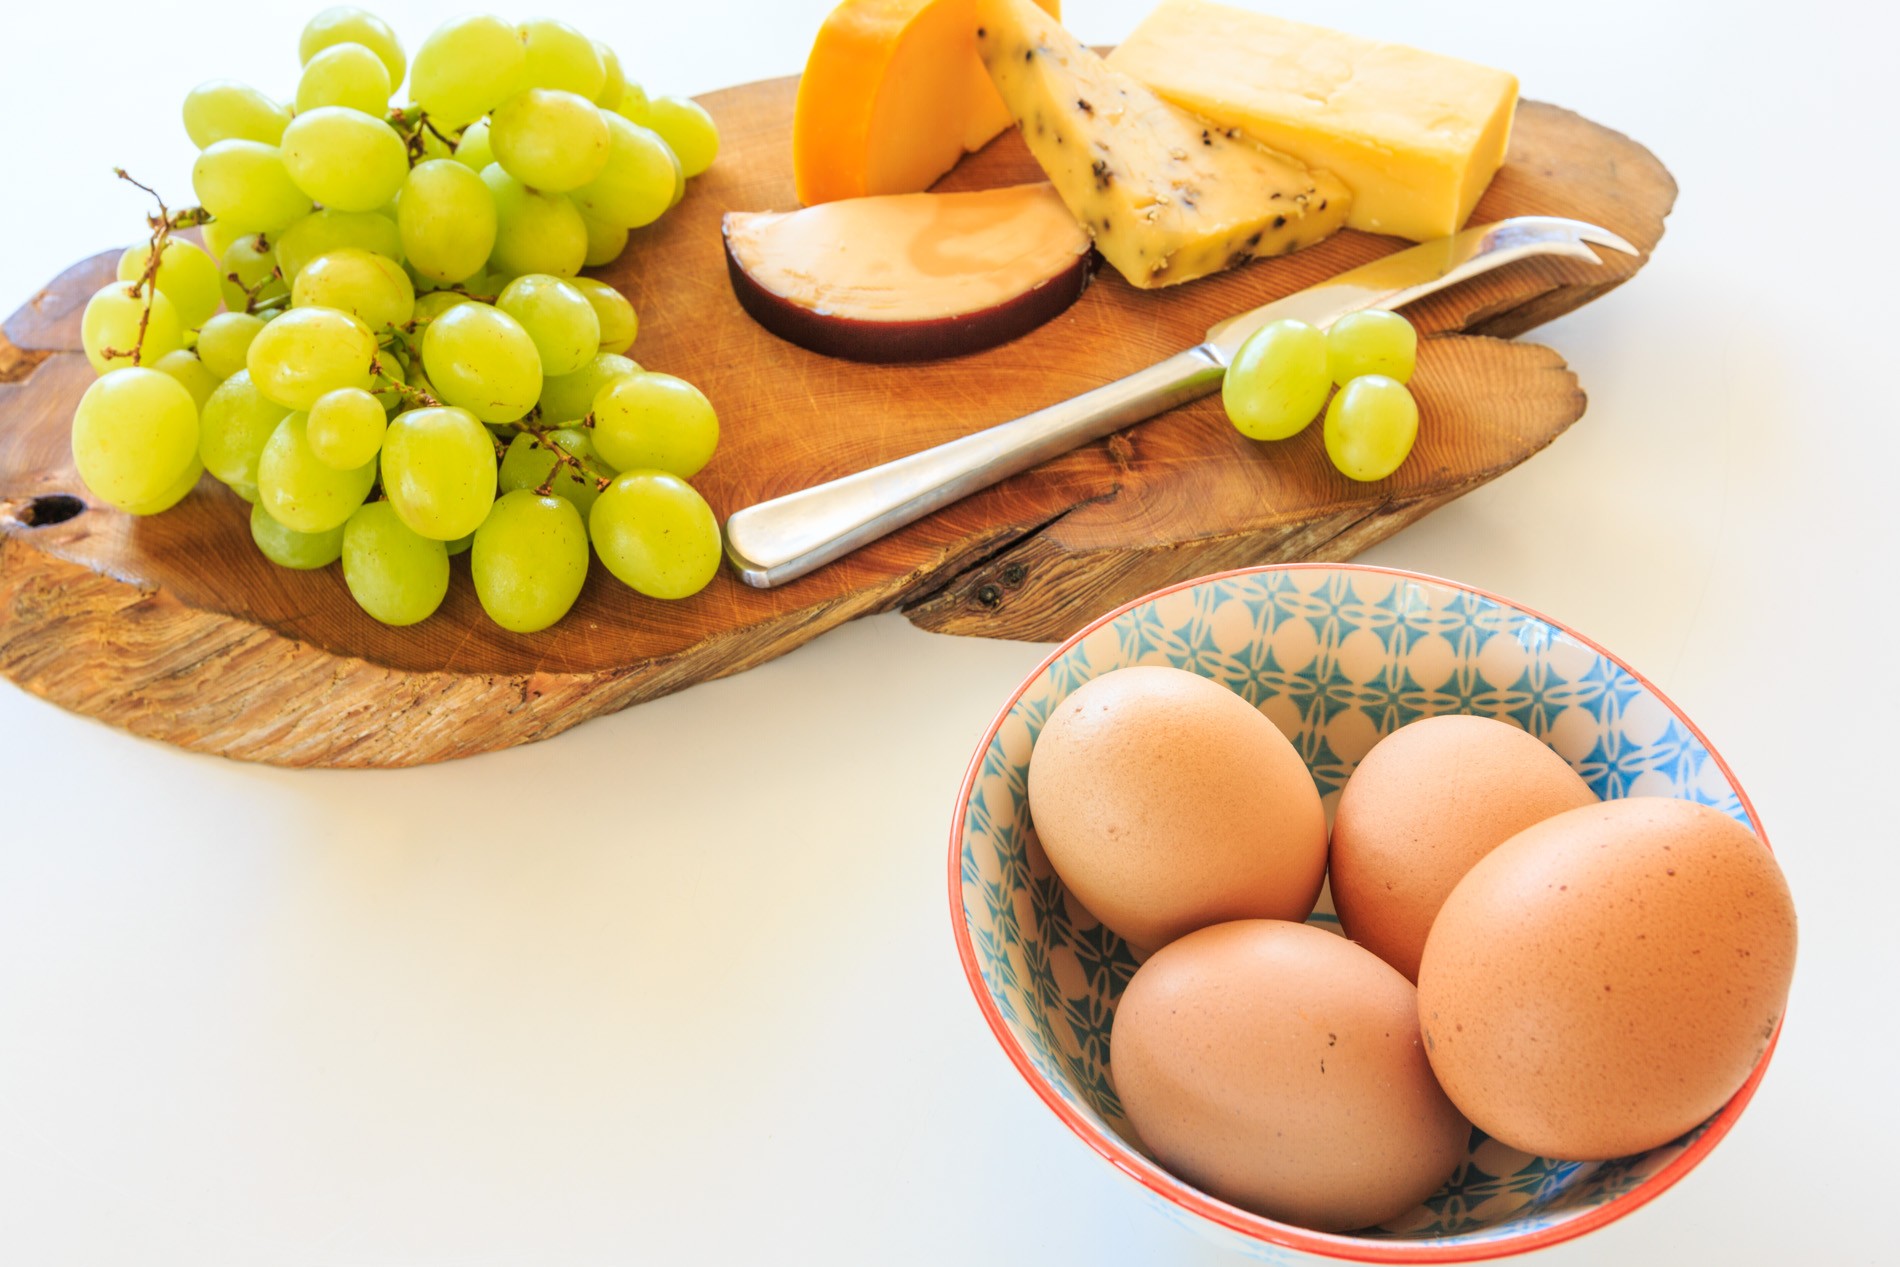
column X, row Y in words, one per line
column 43, row 511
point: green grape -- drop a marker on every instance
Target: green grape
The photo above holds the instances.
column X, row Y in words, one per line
column 605, row 242
column 389, row 395
column 190, row 373
column 218, row 236
column 679, row 179
column 226, row 110
column 636, row 186
column 345, row 159
column 529, row 561
column 418, row 378
column 395, row 575
column 634, row 106
column 431, row 146
column 324, row 231
column 186, row 276
column 613, row 84
column 237, row 423
column 309, row 351
column 135, row 434
column 1277, row 381
column 570, row 397
column 561, row 57
column 656, row 534
column 247, row 493
column 460, row 545
column 346, row 428
column 370, row 287
column 490, row 281
column 530, row 463
column 447, row 220
column 287, row 548
column 480, row 358
column 549, row 140
column 247, row 183
column 534, row 232
column 473, row 150
column 655, row 422
column 302, row 492
column 248, row 273
column 1370, row 427
column 346, row 25
column 1371, row 341
column 687, row 130
column 171, row 496
column 557, row 316
column 434, row 304
column 225, row 341
column 618, row 325
column 345, row 74
column 439, row 471
column 466, row 68
column 109, row 330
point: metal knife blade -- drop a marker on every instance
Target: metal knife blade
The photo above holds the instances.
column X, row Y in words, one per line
column 782, row 539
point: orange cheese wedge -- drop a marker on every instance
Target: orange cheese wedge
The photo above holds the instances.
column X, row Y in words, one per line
column 893, row 95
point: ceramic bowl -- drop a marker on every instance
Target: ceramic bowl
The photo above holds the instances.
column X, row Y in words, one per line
column 1337, row 657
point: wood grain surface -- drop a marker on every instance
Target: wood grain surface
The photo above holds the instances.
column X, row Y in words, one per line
column 176, row 628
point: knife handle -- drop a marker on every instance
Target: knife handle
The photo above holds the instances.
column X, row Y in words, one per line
column 782, row 539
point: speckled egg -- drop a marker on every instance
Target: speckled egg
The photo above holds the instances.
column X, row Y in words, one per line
column 1422, row 807
column 1167, row 803
column 1605, row 980
column 1278, row 1067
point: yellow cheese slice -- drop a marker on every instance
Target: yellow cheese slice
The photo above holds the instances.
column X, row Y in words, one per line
column 892, row 96
column 1169, row 197
column 1415, row 135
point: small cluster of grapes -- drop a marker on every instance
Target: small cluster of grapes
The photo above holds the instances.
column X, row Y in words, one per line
column 407, row 364
column 1281, row 376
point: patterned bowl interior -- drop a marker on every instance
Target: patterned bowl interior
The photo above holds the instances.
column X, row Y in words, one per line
column 1337, row 657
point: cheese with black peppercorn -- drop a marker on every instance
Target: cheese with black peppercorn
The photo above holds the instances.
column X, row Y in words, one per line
column 1167, row 196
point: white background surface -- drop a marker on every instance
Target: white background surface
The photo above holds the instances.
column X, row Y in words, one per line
column 678, row 986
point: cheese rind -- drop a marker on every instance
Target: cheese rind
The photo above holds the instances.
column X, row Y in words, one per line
column 909, row 257
column 892, row 96
column 909, row 277
column 1417, row 136
column 1168, row 197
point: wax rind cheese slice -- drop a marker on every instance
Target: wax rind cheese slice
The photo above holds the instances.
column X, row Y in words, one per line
column 908, row 277
column 1416, row 136
column 892, row 96
column 1168, row 197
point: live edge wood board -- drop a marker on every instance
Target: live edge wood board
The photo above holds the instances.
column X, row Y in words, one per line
column 176, row 628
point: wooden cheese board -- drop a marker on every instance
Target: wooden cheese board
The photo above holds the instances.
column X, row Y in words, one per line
column 176, row 628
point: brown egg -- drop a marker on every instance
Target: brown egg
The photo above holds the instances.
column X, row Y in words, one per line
column 1604, row 981
column 1424, row 805
column 1278, row 1067
column 1167, row 803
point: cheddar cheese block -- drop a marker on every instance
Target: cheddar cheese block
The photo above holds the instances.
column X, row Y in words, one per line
column 1415, row 135
column 1168, row 197
column 892, row 96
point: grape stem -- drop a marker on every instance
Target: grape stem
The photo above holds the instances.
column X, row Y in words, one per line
column 163, row 225
column 250, row 293
column 402, row 389
column 410, row 123
column 466, row 294
column 562, row 457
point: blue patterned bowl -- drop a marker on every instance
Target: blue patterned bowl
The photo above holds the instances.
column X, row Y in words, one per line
column 1337, row 657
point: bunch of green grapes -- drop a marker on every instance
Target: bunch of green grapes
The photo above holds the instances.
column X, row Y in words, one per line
column 1283, row 373
column 385, row 345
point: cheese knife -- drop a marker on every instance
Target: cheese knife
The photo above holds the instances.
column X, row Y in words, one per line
column 782, row 539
